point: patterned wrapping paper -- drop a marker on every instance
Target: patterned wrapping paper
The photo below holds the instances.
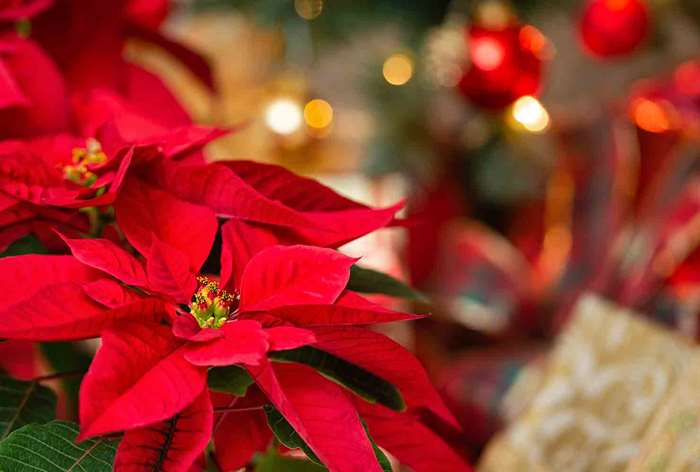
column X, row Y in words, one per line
column 672, row 441
column 607, row 377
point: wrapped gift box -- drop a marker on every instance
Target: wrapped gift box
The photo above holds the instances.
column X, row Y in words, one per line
column 607, row 378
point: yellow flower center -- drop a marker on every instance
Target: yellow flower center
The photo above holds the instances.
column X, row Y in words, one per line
column 212, row 306
column 79, row 171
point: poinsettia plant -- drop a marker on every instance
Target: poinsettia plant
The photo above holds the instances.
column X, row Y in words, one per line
column 230, row 331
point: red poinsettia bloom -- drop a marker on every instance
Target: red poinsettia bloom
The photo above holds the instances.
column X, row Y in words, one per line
column 154, row 357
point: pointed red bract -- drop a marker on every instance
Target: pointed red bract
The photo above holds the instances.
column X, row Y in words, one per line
column 243, row 342
column 23, row 276
column 410, row 441
column 238, row 436
column 289, row 337
column 134, row 362
column 172, row 445
column 336, row 219
column 41, row 106
column 168, row 272
column 143, row 210
column 219, row 188
column 106, row 256
column 349, row 309
column 294, row 275
column 240, row 241
column 387, row 359
column 110, row 293
column 186, row 327
column 65, row 312
column 321, row 413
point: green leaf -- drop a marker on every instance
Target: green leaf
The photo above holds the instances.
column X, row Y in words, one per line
column 231, row 379
column 29, row 244
column 364, row 383
column 22, row 403
column 51, row 448
column 383, row 460
column 365, row 280
column 272, row 461
column 285, row 433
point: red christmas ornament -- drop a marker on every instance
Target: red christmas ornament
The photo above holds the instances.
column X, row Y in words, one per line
column 611, row 28
column 504, row 65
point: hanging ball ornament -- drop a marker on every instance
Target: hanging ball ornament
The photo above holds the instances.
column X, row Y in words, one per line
column 610, row 28
column 504, row 64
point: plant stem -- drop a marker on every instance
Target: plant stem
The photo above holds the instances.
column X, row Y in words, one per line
column 59, row 375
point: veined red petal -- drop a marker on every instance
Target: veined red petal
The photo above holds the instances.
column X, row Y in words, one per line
column 65, row 312
column 138, row 377
column 106, row 256
column 349, row 309
column 23, row 276
column 293, row 275
column 168, row 272
column 186, row 327
column 44, row 109
column 320, row 412
column 345, row 226
column 387, row 359
column 244, row 342
column 300, row 193
column 240, row 241
column 238, row 436
column 143, row 211
column 110, row 293
column 289, row 337
column 219, row 188
column 336, row 219
column 173, row 444
column 410, row 441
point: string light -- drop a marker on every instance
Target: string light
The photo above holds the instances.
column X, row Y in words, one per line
column 398, row 69
column 318, row 114
column 529, row 112
column 283, row 116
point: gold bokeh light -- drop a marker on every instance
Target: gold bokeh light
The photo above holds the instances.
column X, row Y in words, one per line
column 318, row 113
column 398, row 69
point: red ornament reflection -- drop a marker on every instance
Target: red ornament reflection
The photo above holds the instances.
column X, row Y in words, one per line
column 611, row 28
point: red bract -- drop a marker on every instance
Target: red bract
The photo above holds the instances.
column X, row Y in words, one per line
column 32, row 91
column 16, row 10
column 63, row 31
column 267, row 205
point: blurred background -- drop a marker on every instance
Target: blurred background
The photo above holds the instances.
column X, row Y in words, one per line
column 547, row 151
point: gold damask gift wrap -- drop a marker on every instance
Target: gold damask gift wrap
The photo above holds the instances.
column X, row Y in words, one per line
column 672, row 441
column 605, row 380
